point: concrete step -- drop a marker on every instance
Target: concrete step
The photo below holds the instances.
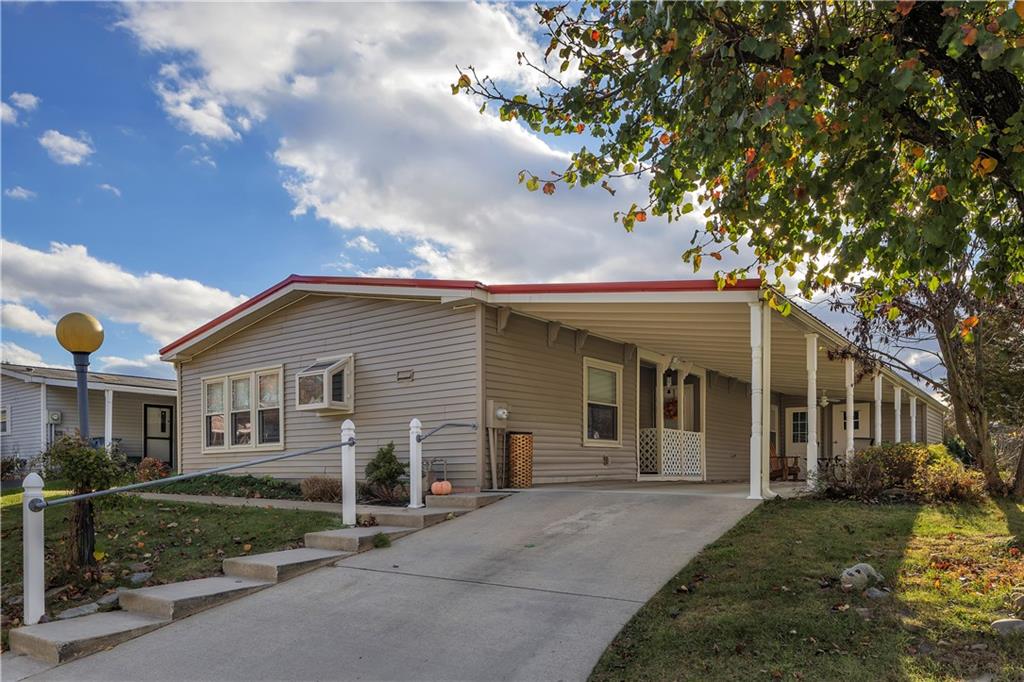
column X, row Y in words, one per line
column 465, row 500
column 63, row 640
column 177, row 600
column 423, row 517
column 277, row 566
column 358, row 539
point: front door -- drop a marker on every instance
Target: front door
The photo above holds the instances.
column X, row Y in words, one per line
column 861, row 425
column 158, row 430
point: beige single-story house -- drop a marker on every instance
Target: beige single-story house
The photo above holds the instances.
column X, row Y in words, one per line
column 39, row 405
column 662, row 380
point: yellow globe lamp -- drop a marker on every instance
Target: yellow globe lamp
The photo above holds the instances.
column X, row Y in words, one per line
column 81, row 334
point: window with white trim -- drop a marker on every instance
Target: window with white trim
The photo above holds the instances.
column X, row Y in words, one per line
column 244, row 411
column 856, row 421
column 4, row 420
column 798, row 426
column 327, row 384
column 602, row 402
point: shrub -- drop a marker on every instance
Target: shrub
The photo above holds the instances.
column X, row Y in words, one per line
column 151, row 469
column 384, row 474
column 12, row 467
column 237, row 486
column 945, row 479
column 321, row 489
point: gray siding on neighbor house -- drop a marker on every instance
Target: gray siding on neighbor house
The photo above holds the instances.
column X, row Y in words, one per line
column 544, row 388
column 727, row 440
column 22, row 401
column 439, row 344
column 129, row 416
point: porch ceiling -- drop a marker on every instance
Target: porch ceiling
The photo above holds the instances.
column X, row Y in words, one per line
column 715, row 336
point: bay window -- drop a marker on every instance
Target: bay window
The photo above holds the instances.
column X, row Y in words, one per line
column 244, row 411
column 602, row 403
column 327, row 385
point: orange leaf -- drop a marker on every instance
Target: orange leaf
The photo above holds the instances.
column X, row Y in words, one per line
column 753, row 173
column 794, row 103
column 786, row 76
column 938, row 193
column 918, row 152
column 641, row 216
column 970, row 34
column 819, row 118
column 760, row 79
column 908, row 63
column 984, row 165
column 903, row 7
column 715, row 255
column 595, row 35
column 789, row 53
column 549, row 188
column 665, row 138
column 247, row 547
column 580, row 127
column 751, row 154
column 1018, row 7
column 971, row 321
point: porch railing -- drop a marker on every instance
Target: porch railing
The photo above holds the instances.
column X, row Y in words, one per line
column 33, row 504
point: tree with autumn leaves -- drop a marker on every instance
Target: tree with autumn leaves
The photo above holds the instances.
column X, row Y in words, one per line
column 872, row 151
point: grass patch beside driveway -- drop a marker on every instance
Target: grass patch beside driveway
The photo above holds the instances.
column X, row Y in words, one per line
column 172, row 541
column 763, row 602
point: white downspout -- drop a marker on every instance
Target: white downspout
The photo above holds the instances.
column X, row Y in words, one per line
column 849, row 411
column 756, row 398
column 812, row 409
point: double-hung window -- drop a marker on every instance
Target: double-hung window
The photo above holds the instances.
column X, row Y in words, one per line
column 4, row 419
column 799, row 426
column 602, row 402
column 244, row 411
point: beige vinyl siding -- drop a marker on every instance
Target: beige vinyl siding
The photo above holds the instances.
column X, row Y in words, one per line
column 437, row 343
column 934, row 428
column 889, row 420
column 544, row 389
column 22, row 401
column 728, row 429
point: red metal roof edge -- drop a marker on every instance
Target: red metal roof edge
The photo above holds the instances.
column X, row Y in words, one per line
column 576, row 288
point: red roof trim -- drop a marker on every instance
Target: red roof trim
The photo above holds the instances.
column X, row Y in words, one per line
column 619, row 287
column 566, row 288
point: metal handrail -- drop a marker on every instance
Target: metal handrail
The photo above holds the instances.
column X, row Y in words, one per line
column 40, row 504
column 423, row 436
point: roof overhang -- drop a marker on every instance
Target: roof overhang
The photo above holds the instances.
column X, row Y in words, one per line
column 93, row 385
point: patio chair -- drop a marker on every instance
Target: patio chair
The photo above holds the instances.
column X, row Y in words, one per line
column 781, row 467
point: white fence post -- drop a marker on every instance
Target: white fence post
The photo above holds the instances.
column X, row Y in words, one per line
column 34, row 580
column 348, row 473
column 415, row 464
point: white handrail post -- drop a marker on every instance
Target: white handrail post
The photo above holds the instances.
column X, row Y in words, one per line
column 34, row 579
column 348, row 473
column 415, row 465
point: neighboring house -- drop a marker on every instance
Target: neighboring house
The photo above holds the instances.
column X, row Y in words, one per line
column 616, row 381
column 39, row 405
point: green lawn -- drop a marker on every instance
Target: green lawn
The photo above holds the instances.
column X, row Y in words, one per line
column 175, row 541
column 759, row 603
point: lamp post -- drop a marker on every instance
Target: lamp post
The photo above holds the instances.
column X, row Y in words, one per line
column 81, row 334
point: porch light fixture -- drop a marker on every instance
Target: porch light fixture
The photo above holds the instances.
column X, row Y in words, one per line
column 81, row 334
column 823, row 401
column 327, row 385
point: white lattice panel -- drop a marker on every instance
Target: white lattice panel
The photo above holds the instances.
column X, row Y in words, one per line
column 692, row 446
column 672, row 452
column 648, row 451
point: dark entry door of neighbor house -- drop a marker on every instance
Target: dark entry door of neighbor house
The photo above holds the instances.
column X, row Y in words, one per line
column 159, row 433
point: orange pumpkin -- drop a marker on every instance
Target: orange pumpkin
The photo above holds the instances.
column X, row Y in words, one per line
column 441, row 488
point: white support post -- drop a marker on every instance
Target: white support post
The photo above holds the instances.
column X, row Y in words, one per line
column 44, row 419
column 415, row 465
column 898, row 405
column 108, row 419
column 348, row 473
column 766, row 401
column 812, row 409
column 756, row 398
column 913, row 419
column 878, row 408
column 849, row 411
column 34, row 579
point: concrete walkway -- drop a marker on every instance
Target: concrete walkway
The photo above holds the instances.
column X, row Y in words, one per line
column 530, row 588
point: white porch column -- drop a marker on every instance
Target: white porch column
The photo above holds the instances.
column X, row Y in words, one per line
column 849, row 410
column 108, row 419
column 766, row 401
column 913, row 419
column 44, row 418
column 898, row 404
column 812, row 408
column 878, row 408
column 756, row 400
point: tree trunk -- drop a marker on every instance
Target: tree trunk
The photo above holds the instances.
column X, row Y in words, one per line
column 1018, row 479
column 83, row 541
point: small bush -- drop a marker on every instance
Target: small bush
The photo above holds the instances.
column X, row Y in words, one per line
column 151, row 469
column 384, row 474
column 321, row 489
column 84, row 467
column 947, row 480
column 12, row 467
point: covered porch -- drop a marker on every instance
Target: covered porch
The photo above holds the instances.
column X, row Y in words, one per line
column 729, row 390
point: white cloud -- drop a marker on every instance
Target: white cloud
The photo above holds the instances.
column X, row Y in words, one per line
column 372, row 138
column 24, row 319
column 19, row 355
column 8, row 114
column 25, row 101
column 110, row 188
column 19, row 192
column 66, row 150
column 148, row 365
column 362, row 243
column 67, row 278
column 200, row 154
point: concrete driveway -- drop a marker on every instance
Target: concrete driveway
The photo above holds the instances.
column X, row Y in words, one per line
column 530, row 588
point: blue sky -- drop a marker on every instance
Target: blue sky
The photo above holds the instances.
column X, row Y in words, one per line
column 170, row 166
